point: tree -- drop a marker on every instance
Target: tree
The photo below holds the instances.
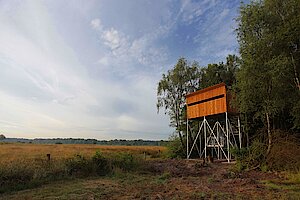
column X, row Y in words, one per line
column 217, row 73
column 268, row 81
column 2, row 137
column 185, row 78
column 171, row 91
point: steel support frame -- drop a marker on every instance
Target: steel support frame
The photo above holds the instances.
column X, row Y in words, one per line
column 214, row 134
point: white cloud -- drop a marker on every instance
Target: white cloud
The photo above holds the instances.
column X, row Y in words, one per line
column 96, row 24
column 216, row 35
column 139, row 55
column 113, row 39
column 192, row 10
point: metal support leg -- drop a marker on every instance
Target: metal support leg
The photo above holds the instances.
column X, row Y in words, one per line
column 240, row 134
column 227, row 134
column 205, row 138
column 218, row 138
column 187, row 138
column 200, row 146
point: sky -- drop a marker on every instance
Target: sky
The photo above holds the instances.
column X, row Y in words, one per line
column 90, row 69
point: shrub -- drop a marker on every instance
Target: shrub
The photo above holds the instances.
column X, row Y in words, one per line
column 26, row 174
column 155, row 154
column 162, row 179
column 125, row 161
column 23, row 174
column 102, row 166
column 79, row 165
column 240, row 156
column 82, row 166
column 253, row 157
column 15, row 176
column 285, row 152
column 175, row 148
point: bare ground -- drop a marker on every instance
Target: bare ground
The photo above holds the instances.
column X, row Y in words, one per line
column 171, row 179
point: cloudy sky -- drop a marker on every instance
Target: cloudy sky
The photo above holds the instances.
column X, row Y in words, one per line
column 89, row 69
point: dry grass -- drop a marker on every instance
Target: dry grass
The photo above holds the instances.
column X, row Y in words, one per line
column 24, row 166
column 17, row 151
column 174, row 179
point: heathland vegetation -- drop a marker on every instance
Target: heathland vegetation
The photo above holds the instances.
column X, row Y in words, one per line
column 29, row 165
column 129, row 172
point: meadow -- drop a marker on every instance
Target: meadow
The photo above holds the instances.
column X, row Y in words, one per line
column 129, row 172
column 25, row 166
column 12, row 152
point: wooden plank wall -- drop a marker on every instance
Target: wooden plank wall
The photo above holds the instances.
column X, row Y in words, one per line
column 209, row 101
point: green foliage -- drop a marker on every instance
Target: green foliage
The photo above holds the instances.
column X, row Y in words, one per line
column 220, row 73
column 175, row 149
column 79, row 165
column 26, row 174
column 101, row 164
column 15, row 176
column 295, row 113
column 240, row 156
column 294, row 177
column 251, row 158
column 285, row 152
column 125, row 161
column 163, row 178
column 96, row 165
column 268, row 80
column 172, row 88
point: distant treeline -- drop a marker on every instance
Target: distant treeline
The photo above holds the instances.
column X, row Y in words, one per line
column 139, row 142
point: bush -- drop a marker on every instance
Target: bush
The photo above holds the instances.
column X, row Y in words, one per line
column 14, row 176
column 240, row 156
column 82, row 166
column 285, row 152
column 101, row 165
column 253, row 157
column 79, row 165
column 125, row 161
column 175, row 148
column 26, row 174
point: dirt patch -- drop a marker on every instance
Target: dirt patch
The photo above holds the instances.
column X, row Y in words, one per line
column 185, row 168
column 192, row 179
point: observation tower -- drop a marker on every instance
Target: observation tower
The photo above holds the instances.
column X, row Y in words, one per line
column 213, row 125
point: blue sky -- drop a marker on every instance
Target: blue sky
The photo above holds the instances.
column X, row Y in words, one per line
column 89, row 69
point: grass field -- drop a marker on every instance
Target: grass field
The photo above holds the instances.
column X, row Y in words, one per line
column 25, row 173
column 170, row 179
column 17, row 151
column 25, row 166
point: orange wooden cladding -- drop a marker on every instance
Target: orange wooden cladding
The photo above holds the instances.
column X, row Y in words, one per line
column 209, row 101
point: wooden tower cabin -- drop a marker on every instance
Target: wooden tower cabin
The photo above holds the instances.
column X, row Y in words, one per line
column 213, row 125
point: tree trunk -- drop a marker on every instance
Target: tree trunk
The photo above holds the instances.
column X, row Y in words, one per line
column 269, row 134
column 297, row 82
